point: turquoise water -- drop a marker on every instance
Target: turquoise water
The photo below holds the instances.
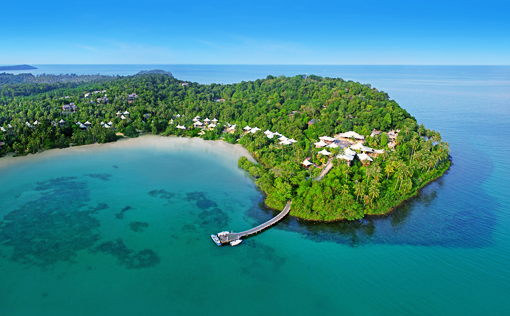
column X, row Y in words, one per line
column 124, row 228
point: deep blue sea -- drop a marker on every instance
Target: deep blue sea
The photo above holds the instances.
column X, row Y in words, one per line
column 124, row 228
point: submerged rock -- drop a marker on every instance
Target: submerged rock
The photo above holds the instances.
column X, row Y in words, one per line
column 54, row 227
column 127, row 257
column 138, row 226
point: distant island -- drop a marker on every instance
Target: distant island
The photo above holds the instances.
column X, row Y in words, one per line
column 17, row 67
column 338, row 149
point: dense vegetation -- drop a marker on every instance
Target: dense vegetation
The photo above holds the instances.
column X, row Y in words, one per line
column 283, row 104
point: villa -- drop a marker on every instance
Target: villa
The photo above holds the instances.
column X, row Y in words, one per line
column 349, row 135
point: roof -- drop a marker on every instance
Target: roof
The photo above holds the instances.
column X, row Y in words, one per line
column 320, row 144
column 379, row 151
column 254, row 130
column 212, row 125
column 361, row 147
column 215, row 120
column 87, row 123
column 351, row 134
column 207, row 120
column 364, row 157
column 286, row 142
column 126, row 113
column 307, row 163
column 324, row 152
column 181, row 127
column 292, row 140
column 247, row 128
column 3, row 129
column 345, row 157
column 349, row 152
column 267, row 132
column 332, row 145
column 283, row 138
column 327, row 138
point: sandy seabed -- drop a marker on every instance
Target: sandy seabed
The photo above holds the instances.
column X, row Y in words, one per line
column 153, row 142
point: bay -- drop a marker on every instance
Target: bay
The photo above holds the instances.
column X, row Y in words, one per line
column 444, row 252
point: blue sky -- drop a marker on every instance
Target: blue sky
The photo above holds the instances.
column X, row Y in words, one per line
column 256, row 32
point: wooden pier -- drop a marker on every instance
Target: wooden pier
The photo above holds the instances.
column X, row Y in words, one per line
column 234, row 236
column 325, row 170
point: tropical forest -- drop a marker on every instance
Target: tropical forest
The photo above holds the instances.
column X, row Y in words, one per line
column 339, row 150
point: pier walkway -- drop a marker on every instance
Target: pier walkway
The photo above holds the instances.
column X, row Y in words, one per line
column 234, row 236
column 326, row 169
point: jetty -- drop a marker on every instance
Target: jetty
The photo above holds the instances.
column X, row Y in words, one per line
column 326, row 169
column 228, row 237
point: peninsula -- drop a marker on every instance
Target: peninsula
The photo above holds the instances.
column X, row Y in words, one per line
column 17, row 67
column 338, row 149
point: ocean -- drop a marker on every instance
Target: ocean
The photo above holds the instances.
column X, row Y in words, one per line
column 124, row 228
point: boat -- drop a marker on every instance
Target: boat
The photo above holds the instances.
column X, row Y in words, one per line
column 235, row 242
column 216, row 240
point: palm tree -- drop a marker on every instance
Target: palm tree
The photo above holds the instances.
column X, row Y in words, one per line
column 389, row 168
column 344, row 190
column 399, row 174
column 373, row 191
column 377, row 172
column 358, row 189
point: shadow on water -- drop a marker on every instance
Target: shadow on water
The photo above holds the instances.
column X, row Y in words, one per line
column 449, row 212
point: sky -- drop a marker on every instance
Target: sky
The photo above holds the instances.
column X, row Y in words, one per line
column 255, row 32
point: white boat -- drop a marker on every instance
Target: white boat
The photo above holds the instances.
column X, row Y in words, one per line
column 235, row 242
column 216, row 240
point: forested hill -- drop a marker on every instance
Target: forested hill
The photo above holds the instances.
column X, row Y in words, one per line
column 301, row 108
column 17, row 67
column 11, row 79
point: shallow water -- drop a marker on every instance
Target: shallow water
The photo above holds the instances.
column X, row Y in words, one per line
column 124, row 227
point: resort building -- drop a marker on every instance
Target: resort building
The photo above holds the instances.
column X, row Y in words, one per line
column 347, row 155
column 181, row 127
column 349, row 135
column 324, row 152
column 375, row 133
column 327, row 139
column 231, row 129
column 320, row 144
column 3, row 129
column 307, row 163
column 362, row 148
column 365, row 159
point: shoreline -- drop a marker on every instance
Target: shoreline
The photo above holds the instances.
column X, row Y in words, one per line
column 9, row 159
column 146, row 140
